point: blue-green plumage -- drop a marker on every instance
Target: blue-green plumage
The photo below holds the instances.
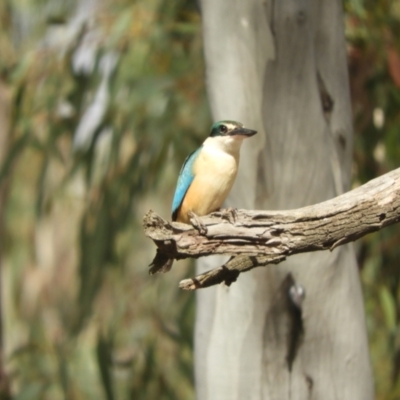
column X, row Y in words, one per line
column 208, row 173
column 185, row 179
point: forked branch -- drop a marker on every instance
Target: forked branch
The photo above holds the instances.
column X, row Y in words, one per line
column 259, row 238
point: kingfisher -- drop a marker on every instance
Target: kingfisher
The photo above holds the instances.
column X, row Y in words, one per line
column 208, row 174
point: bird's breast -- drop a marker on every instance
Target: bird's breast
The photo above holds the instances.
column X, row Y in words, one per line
column 214, row 174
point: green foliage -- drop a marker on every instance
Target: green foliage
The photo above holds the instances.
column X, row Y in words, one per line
column 374, row 57
column 84, row 320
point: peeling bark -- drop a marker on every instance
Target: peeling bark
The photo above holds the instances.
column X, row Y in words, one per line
column 271, row 236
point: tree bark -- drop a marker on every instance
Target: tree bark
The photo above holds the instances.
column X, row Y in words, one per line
column 280, row 67
column 274, row 235
column 322, row 226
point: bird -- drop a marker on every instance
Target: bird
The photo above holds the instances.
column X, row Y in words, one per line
column 208, row 174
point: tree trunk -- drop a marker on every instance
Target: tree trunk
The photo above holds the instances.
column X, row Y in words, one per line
column 280, row 68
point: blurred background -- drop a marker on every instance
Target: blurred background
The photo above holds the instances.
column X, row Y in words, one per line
column 100, row 102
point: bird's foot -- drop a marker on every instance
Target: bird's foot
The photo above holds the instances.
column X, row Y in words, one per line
column 195, row 220
column 230, row 214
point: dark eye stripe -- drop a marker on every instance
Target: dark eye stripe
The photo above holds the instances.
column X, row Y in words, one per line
column 223, row 129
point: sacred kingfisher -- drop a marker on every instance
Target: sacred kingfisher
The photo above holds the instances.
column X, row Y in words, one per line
column 208, row 174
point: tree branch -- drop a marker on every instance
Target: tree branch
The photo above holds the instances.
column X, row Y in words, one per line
column 259, row 238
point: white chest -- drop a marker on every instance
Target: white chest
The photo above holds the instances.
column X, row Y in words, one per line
column 214, row 174
column 216, row 169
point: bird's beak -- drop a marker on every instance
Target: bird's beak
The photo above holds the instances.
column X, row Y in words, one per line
column 242, row 132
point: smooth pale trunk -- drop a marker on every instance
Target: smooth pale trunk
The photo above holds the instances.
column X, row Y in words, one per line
column 275, row 66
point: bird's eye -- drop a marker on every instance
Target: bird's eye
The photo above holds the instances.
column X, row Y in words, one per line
column 223, row 129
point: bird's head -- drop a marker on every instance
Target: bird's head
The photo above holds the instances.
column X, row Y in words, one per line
column 229, row 135
column 232, row 129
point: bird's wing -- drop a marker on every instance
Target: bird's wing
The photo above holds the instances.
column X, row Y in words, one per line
column 186, row 177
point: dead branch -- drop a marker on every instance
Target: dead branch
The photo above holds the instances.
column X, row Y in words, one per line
column 259, row 238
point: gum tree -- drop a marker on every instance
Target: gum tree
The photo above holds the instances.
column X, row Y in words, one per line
column 280, row 67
